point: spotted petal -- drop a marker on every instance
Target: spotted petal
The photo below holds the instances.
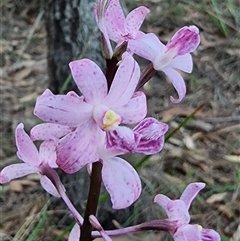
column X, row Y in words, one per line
column 48, row 186
column 135, row 19
column 47, row 131
column 135, row 110
column 78, row 148
column 47, row 152
column 16, row 171
column 90, row 80
column 115, row 20
column 69, row 110
column 121, row 181
column 176, row 210
column 27, row 151
column 191, row 192
column 124, row 83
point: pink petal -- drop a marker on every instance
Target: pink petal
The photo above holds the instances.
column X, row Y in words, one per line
column 90, row 80
column 209, row 235
column 121, row 181
column 191, row 192
column 48, row 186
column 139, row 34
column 178, row 83
column 187, row 233
column 48, row 131
column 148, row 46
column 99, row 11
column 115, row 21
column 27, row 151
column 135, row 19
column 175, row 210
column 78, row 148
column 47, row 152
column 124, row 83
column 75, row 233
column 135, row 110
column 15, row 171
column 122, row 138
column 151, row 134
column 185, row 40
column 67, row 110
column 182, row 62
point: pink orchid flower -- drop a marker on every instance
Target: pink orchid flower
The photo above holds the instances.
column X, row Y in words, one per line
column 34, row 161
column 123, row 185
column 171, row 57
column 119, row 28
column 177, row 210
column 119, row 177
column 98, row 108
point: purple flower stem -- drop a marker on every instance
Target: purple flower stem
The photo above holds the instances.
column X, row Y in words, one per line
column 159, row 225
column 72, row 209
column 92, row 202
column 54, row 177
column 146, row 75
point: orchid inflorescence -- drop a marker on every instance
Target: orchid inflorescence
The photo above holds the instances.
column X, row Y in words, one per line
column 93, row 129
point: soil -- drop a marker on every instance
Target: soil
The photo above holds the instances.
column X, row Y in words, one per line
column 206, row 148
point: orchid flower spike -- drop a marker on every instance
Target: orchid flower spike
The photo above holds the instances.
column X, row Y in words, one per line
column 98, row 109
column 119, row 28
column 171, row 57
column 34, row 161
column 177, row 210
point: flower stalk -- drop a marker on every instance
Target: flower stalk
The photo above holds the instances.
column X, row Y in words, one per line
column 93, row 196
column 157, row 225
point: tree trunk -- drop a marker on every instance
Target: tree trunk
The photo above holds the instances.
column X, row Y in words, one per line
column 72, row 34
